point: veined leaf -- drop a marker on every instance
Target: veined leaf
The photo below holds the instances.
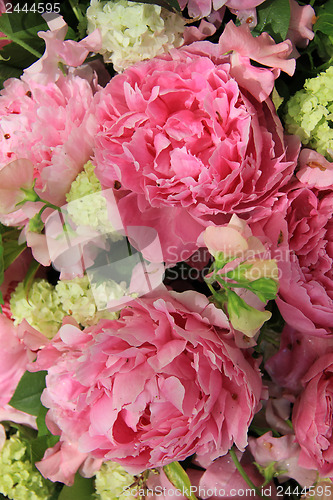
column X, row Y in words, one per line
column 28, row 392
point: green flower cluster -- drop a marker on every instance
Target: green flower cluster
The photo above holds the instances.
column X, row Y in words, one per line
column 133, row 32
column 42, row 308
column 19, row 479
column 78, row 299
column 46, row 305
column 111, row 483
column 310, row 113
column 86, row 205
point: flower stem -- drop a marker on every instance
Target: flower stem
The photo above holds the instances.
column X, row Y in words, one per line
column 23, row 44
column 243, row 474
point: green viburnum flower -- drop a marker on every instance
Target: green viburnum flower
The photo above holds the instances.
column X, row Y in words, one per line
column 310, row 113
column 86, row 205
column 47, row 305
column 19, row 479
column 133, row 32
column 78, row 299
column 111, row 483
column 42, row 310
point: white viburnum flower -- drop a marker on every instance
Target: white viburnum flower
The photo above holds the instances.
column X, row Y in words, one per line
column 133, row 32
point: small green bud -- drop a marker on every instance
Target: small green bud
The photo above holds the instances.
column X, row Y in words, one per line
column 243, row 317
column 36, row 225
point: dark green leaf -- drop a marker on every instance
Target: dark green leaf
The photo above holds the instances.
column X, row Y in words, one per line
column 82, row 489
column 324, row 21
column 41, row 425
column 325, row 24
column 26, row 46
column 12, row 251
column 40, row 445
column 22, row 28
column 178, row 477
column 273, row 18
column 28, row 392
column 29, row 277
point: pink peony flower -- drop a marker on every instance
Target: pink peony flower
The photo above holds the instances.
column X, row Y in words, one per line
column 312, row 418
column 190, row 145
column 46, row 124
column 161, row 383
column 297, row 352
column 306, row 284
column 299, row 233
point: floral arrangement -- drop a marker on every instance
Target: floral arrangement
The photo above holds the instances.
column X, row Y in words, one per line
column 166, row 248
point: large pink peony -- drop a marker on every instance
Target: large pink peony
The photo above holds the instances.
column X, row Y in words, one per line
column 313, row 418
column 306, row 287
column 157, row 385
column 188, row 139
column 296, row 353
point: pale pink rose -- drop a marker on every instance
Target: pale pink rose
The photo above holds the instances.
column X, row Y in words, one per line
column 157, row 385
column 222, row 478
column 297, row 352
column 45, row 125
column 315, row 170
column 312, row 418
column 285, row 452
column 190, row 145
column 202, row 8
column 302, row 19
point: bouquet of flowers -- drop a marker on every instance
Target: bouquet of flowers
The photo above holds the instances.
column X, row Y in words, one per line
column 166, row 249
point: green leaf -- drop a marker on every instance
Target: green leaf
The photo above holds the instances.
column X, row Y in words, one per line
column 265, row 288
column 40, row 444
column 82, row 489
column 11, row 248
column 22, row 28
column 273, row 17
column 29, row 277
column 178, row 477
column 26, row 46
column 40, row 421
column 324, row 21
column 28, row 392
